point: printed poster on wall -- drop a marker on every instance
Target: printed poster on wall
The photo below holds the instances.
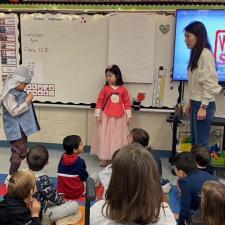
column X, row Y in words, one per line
column 9, row 44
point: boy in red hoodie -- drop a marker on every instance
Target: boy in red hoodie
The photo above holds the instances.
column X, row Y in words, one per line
column 72, row 171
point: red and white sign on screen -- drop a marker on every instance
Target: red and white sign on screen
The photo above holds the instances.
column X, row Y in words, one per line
column 219, row 53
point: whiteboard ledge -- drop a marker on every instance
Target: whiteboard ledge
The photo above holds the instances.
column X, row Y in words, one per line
column 62, row 106
column 89, row 107
column 156, row 110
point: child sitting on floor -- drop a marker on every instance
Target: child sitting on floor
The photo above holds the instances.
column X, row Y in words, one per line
column 53, row 206
column 202, row 157
column 212, row 210
column 134, row 195
column 37, row 159
column 190, row 183
column 19, row 207
column 140, row 136
column 72, row 171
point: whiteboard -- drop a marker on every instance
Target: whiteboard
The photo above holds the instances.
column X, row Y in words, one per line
column 163, row 56
column 67, row 54
column 132, row 45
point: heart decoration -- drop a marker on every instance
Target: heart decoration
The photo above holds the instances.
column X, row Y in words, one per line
column 164, row 28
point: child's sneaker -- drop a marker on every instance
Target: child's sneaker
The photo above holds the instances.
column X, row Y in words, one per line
column 6, row 182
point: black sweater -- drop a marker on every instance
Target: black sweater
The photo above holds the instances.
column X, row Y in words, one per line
column 14, row 212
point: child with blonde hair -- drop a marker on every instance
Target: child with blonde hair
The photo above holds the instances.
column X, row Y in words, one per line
column 19, row 207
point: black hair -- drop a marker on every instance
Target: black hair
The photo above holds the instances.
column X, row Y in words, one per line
column 37, row 157
column 185, row 162
column 117, row 72
column 201, row 155
column 198, row 29
column 140, row 136
column 70, row 143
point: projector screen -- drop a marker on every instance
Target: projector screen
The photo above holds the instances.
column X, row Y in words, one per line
column 214, row 23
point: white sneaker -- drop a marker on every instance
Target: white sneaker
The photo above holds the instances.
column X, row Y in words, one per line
column 6, row 182
column 166, row 188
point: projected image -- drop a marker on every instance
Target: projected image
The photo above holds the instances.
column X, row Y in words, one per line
column 214, row 23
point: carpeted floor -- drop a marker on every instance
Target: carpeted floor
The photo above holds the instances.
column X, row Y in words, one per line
column 173, row 202
column 3, row 189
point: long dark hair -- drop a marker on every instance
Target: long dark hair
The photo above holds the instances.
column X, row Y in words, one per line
column 117, row 72
column 198, row 29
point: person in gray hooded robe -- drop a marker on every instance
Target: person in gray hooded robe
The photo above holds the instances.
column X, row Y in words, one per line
column 19, row 118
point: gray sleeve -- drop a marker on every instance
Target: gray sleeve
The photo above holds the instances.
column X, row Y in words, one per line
column 11, row 105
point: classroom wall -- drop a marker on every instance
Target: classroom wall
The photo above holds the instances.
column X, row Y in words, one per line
column 56, row 123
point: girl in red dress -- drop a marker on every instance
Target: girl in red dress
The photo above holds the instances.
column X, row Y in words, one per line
column 113, row 115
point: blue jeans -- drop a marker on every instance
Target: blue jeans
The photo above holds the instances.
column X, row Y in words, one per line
column 200, row 129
